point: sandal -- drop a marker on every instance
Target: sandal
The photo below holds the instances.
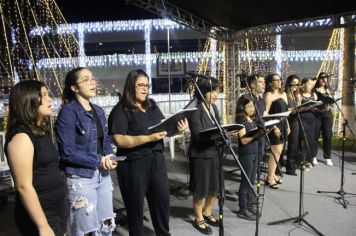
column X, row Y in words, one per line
column 273, row 185
column 278, row 179
column 207, row 230
column 211, row 220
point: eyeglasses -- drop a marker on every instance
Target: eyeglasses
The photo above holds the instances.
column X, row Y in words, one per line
column 294, row 85
column 143, row 86
column 88, row 80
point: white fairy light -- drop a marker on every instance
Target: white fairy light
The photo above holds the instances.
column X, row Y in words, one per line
column 106, row 26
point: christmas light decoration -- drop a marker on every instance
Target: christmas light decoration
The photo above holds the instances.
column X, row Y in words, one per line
column 107, row 26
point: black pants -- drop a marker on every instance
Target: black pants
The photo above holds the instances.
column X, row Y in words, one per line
column 293, row 147
column 146, row 176
column 324, row 125
column 308, row 120
column 249, row 163
column 54, row 207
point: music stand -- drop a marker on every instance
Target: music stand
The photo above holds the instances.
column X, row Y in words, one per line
column 341, row 192
column 224, row 141
column 300, row 218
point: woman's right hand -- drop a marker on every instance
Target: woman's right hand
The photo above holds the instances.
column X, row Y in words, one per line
column 277, row 132
column 157, row 136
column 107, row 163
column 46, row 231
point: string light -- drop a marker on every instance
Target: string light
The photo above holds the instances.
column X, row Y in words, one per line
column 123, row 59
column 301, row 55
column 106, row 26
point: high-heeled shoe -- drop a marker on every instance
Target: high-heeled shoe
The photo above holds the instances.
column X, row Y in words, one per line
column 278, row 179
column 272, row 184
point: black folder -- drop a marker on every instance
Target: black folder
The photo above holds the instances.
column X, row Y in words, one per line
column 280, row 115
column 268, row 124
column 310, row 104
column 228, row 127
column 170, row 124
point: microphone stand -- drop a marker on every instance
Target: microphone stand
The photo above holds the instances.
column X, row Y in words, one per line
column 345, row 124
column 226, row 140
column 300, row 218
column 260, row 125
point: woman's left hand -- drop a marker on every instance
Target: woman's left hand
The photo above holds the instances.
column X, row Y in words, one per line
column 182, row 125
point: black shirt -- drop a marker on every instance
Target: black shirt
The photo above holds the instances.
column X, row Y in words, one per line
column 134, row 123
column 253, row 146
column 201, row 145
column 261, row 105
column 46, row 174
column 99, row 132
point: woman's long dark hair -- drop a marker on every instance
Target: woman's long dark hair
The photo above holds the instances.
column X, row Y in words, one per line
column 323, row 77
column 206, row 85
column 70, row 80
column 269, row 80
column 288, row 86
column 240, row 107
column 129, row 96
column 304, row 82
column 24, row 101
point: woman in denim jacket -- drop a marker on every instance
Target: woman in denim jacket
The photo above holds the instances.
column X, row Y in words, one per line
column 85, row 150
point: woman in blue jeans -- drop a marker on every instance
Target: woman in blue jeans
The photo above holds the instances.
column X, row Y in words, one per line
column 85, row 152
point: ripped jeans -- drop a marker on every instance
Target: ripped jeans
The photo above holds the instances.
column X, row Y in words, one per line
column 91, row 204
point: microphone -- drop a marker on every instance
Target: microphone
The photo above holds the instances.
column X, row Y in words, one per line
column 193, row 74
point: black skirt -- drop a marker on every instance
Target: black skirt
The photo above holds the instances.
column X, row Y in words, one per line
column 204, row 176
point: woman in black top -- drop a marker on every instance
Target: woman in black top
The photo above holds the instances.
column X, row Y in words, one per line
column 248, row 154
column 39, row 205
column 308, row 120
column 276, row 102
column 292, row 89
column 143, row 173
column 203, row 157
column 324, row 119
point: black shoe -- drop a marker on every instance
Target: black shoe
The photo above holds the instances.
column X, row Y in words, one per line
column 207, row 230
column 291, row 172
column 253, row 210
column 245, row 214
column 254, row 201
column 211, row 220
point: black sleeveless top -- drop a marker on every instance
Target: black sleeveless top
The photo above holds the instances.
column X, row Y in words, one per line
column 306, row 99
column 46, row 174
column 277, row 106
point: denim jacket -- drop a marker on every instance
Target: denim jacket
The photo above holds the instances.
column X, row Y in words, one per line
column 77, row 139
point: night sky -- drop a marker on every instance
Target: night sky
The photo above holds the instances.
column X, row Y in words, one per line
column 103, row 10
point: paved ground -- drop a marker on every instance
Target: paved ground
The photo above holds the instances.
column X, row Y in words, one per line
column 324, row 212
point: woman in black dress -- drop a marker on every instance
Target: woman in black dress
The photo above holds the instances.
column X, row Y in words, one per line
column 39, row 205
column 276, row 102
column 203, row 157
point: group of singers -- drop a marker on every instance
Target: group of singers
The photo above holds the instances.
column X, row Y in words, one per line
column 70, row 190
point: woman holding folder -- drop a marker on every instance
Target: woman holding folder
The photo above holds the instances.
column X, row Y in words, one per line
column 143, row 173
column 203, row 157
column 308, row 120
